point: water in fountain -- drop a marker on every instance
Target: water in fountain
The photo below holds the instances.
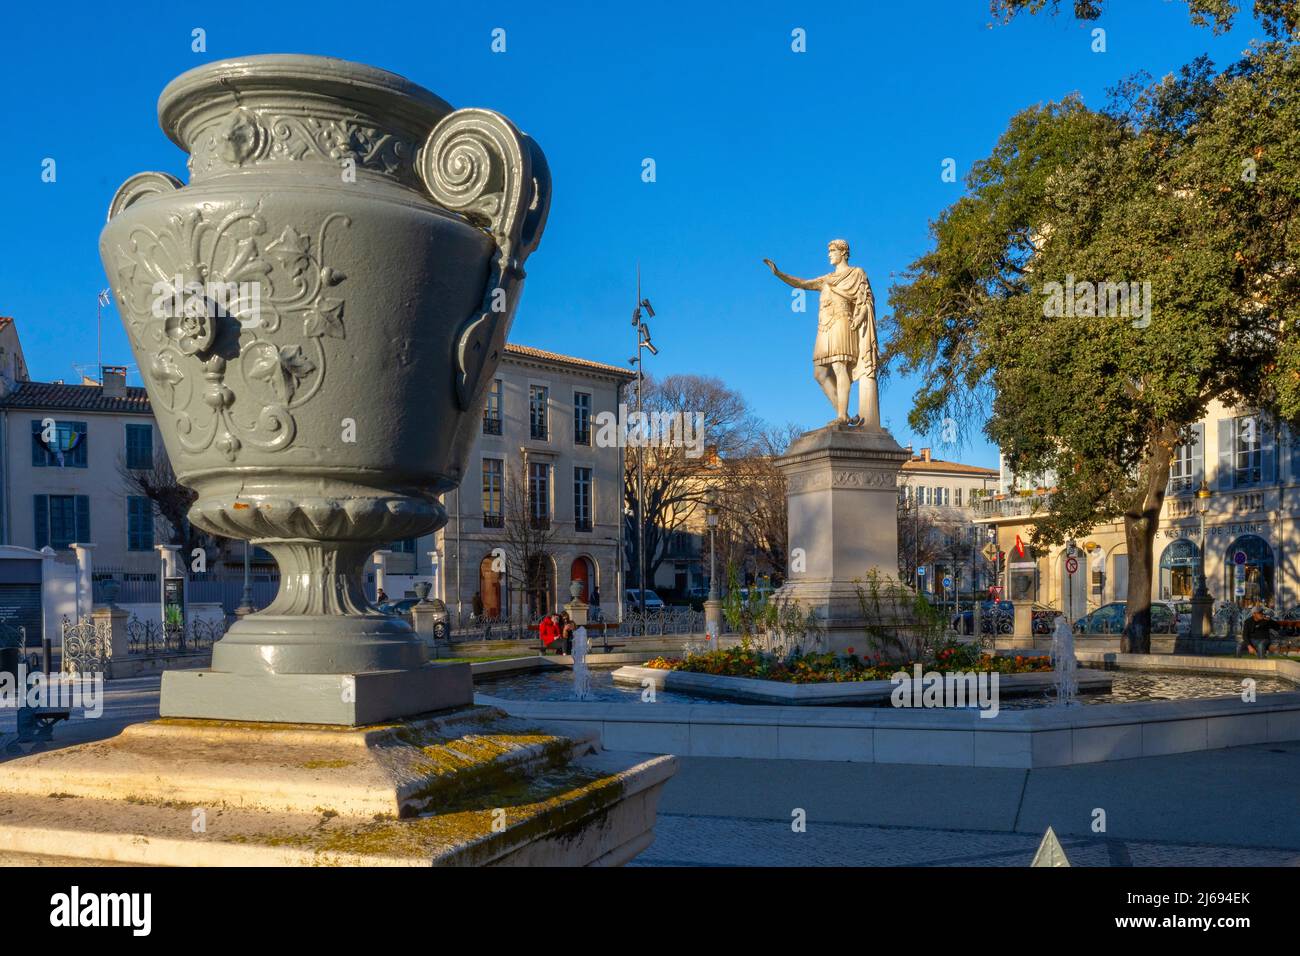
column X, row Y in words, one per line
column 1063, row 662
column 581, row 673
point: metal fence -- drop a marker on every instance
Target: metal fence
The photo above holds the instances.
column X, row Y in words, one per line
column 87, row 644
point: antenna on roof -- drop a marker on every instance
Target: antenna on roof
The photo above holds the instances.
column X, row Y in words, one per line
column 103, row 300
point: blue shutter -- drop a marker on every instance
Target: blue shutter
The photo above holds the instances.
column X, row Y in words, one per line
column 1227, row 431
column 1267, row 449
column 42, row 512
column 83, row 519
column 39, row 454
column 1198, row 454
column 78, row 458
column 1293, row 441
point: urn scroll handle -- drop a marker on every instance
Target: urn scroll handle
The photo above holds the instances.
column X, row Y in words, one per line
column 475, row 162
column 140, row 186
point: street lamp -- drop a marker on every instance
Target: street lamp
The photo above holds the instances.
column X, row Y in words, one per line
column 712, row 606
column 643, row 343
column 246, row 602
column 1203, row 496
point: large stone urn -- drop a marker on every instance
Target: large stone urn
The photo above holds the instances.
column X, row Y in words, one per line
column 316, row 315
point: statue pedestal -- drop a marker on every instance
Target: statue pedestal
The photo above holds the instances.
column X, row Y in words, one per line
column 469, row 788
column 842, row 502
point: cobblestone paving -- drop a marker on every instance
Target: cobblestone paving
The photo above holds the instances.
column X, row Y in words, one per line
column 686, row 840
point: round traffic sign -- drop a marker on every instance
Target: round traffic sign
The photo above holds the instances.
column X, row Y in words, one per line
column 1071, row 565
column 947, row 582
column 1239, row 557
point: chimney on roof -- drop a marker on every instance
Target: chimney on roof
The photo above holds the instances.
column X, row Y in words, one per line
column 925, row 454
column 113, row 378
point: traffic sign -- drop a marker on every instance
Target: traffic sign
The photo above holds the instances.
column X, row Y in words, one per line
column 947, row 582
column 1239, row 557
column 1071, row 565
column 920, row 572
column 990, row 551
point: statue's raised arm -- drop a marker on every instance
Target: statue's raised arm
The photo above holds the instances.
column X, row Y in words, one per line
column 793, row 281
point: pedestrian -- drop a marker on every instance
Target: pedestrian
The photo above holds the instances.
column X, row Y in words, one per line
column 595, row 596
column 1257, row 633
column 548, row 632
column 381, row 597
column 566, row 630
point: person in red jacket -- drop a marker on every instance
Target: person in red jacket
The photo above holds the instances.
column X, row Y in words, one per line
column 548, row 631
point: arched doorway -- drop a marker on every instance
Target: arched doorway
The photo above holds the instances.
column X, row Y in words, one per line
column 1248, row 571
column 583, row 570
column 489, row 587
column 1178, row 567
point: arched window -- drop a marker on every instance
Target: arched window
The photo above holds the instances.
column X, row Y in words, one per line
column 489, row 588
column 1178, row 567
column 583, row 571
column 1248, row 565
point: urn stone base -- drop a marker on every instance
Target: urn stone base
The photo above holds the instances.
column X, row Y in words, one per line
column 842, row 503
column 348, row 699
column 470, row 788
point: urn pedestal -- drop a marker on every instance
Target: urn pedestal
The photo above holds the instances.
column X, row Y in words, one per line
column 842, row 505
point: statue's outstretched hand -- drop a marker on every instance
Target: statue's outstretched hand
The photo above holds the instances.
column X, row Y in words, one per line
column 771, row 265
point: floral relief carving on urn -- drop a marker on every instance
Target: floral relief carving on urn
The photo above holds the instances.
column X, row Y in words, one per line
column 336, row 215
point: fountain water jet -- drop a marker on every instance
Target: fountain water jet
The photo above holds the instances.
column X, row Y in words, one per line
column 1064, row 663
column 581, row 672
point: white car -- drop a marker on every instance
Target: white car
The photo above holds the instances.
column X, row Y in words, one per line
column 632, row 600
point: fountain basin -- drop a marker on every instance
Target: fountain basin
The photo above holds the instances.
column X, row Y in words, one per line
column 824, row 694
column 1043, row 737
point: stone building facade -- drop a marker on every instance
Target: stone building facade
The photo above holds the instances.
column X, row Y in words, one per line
column 1251, row 466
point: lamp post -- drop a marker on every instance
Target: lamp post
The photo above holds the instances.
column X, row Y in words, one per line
column 246, row 602
column 1202, row 602
column 642, row 344
column 712, row 606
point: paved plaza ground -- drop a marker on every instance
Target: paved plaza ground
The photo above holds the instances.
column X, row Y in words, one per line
column 1231, row 807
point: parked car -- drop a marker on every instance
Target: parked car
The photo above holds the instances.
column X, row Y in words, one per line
column 402, row 608
column 399, row 608
column 1109, row 619
column 632, row 600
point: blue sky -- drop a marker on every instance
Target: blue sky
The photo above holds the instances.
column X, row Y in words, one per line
column 759, row 151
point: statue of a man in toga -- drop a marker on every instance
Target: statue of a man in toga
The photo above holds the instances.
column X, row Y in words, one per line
column 846, row 348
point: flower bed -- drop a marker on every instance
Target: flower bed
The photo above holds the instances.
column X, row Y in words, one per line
column 743, row 661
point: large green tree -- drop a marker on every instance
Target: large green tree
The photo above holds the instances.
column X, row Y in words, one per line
column 1279, row 17
column 1187, row 187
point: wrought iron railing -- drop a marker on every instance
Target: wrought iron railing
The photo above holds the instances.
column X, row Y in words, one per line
column 153, row 638
column 86, row 646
